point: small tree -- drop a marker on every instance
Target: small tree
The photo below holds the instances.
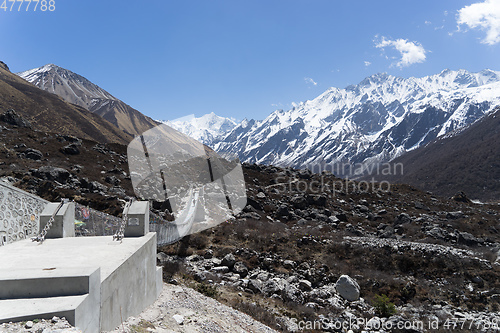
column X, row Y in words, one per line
column 383, row 306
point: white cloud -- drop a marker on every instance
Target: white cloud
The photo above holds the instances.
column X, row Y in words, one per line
column 310, row 81
column 411, row 52
column 445, row 13
column 428, row 22
column 485, row 16
column 367, row 63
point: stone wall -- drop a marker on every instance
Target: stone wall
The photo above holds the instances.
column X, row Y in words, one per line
column 19, row 214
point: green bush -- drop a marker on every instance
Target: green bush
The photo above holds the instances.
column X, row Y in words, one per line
column 383, row 306
column 207, row 290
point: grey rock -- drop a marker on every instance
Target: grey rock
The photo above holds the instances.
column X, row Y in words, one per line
column 263, row 276
column 455, row 215
column 71, row 149
column 240, row 268
column 302, row 222
column 208, row 254
column 112, row 180
column 289, row 264
column 199, row 276
column 11, row 117
column 299, row 201
column 33, row 154
column 347, row 288
column 261, row 195
column 216, row 261
column 402, row 219
column 250, row 215
column 255, row 285
column 228, row 260
column 179, row 319
column 220, row 270
column 305, row 285
column 52, row 173
column 282, row 211
column 274, row 286
column 333, row 219
column 438, row 233
column 362, row 208
column 467, row 238
column 95, row 186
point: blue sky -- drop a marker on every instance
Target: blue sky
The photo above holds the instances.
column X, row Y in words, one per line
column 247, row 58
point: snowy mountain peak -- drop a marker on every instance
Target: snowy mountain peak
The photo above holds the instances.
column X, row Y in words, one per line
column 205, row 129
column 72, row 87
column 376, row 120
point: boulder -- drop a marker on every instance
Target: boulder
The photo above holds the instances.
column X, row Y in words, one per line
column 240, row 268
column 305, row 285
column 255, row 285
column 95, row 186
column 229, row 260
column 347, row 288
column 220, row 270
column 282, row 211
column 33, row 154
column 402, row 219
column 289, row 264
column 11, row 117
column 274, row 286
column 455, row 215
column 71, row 149
column 299, row 202
column 52, row 173
column 261, row 195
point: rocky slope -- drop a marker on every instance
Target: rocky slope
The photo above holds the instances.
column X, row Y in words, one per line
column 307, row 246
column 76, row 89
column 50, row 113
column 376, row 120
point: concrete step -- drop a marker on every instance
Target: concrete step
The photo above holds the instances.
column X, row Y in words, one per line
column 40, row 308
column 45, row 282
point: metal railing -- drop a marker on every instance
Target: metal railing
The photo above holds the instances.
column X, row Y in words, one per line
column 20, row 219
column 166, row 231
column 91, row 222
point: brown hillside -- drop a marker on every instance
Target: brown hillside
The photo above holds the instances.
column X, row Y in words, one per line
column 468, row 161
column 76, row 89
column 48, row 112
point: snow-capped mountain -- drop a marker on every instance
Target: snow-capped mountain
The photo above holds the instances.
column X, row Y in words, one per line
column 76, row 89
column 374, row 121
column 205, row 129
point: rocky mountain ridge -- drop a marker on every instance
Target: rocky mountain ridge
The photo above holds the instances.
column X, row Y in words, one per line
column 78, row 90
column 50, row 113
column 374, row 121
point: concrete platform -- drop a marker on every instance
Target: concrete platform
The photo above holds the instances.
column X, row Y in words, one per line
column 83, row 273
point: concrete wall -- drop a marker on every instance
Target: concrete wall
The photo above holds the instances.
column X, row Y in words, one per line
column 131, row 287
column 64, row 220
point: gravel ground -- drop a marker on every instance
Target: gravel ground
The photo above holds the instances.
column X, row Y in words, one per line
column 181, row 309
column 56, row 325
